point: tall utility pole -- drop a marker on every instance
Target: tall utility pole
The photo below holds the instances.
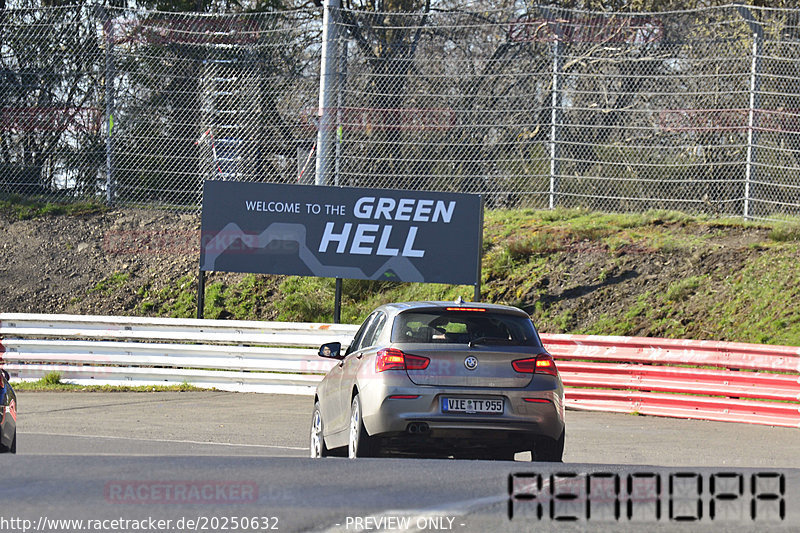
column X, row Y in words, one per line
column 326, row 135
column 327, row 138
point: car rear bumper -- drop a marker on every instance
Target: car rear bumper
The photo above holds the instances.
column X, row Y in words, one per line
column 387, row 415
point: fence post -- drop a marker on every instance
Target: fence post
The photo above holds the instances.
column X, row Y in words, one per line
column 339, row 113
column 755, row 101
column 752, row 135
column 109, row 95
column 326, row 135
column 555, row 117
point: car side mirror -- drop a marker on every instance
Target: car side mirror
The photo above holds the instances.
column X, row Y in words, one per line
column 332, row 350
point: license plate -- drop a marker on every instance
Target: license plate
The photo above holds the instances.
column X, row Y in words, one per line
column 471, row 405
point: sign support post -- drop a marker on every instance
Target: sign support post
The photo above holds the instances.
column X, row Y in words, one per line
column 201, row 292
column 477, row 296
column 337, row 303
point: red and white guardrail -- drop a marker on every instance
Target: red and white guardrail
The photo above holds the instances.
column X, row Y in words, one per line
column 709, row 380
column 733, row 382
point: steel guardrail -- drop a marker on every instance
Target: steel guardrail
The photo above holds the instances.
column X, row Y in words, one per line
column 711, row 380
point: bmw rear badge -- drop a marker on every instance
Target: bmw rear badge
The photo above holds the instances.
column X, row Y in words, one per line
column 471, row 362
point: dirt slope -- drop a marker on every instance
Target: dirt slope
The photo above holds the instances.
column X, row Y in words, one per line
column 59, row 264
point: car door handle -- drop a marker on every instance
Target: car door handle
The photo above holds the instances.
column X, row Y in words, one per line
column 359, row 356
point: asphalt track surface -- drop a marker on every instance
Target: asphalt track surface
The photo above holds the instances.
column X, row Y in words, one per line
column 212, row 457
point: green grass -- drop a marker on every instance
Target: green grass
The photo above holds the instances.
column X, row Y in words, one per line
column 608, row 325
column 684, row 288
column 51, row 378
column 311, row 299
column 759, row 304
column 753, row 305
column 52, row 382
column 785, row 232
column 111, row 283
column 178, row 299
column 527, row 233
column 21, row 208
column 242, row 300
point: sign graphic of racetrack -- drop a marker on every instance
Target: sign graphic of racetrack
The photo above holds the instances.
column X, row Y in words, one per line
column 341, row 232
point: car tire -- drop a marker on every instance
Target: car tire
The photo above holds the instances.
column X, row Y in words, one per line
column 318, row 448
column 360, row 444
column 548, row 450
column 11, row 448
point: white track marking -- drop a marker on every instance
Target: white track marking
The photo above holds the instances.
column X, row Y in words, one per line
column 168, row 440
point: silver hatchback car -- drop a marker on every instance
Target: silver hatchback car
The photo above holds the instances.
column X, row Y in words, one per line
column 442, row 379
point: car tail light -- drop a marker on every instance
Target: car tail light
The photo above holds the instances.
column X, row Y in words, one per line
column 541, row 364
column 526, row 366
column 394, row 359
column 546, row 365
column 390, row 359
column 536, row 400
column 416, row 362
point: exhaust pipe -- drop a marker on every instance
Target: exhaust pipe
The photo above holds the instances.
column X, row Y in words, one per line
column 418, row 428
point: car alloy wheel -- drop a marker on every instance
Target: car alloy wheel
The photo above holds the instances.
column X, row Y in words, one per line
column 317, row 439
column 360, row 443
column 355, row 423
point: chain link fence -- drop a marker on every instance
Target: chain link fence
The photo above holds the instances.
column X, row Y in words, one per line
column 536, row 107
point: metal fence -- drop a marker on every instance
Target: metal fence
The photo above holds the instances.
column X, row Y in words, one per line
column 538, row 107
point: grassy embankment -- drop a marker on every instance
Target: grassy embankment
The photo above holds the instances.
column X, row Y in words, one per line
column 655, row 274
column 661, row 274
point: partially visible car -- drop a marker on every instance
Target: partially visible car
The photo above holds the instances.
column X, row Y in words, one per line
column 8, row 421
column 444, row 379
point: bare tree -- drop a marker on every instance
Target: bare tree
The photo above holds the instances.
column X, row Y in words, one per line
column 49, row 100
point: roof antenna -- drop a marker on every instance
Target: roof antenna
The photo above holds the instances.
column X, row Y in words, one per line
column 460, row 300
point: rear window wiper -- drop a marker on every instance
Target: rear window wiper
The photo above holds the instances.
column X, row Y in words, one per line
column 491, row 340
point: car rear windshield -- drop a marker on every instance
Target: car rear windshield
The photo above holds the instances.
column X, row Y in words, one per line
column 463, row 327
